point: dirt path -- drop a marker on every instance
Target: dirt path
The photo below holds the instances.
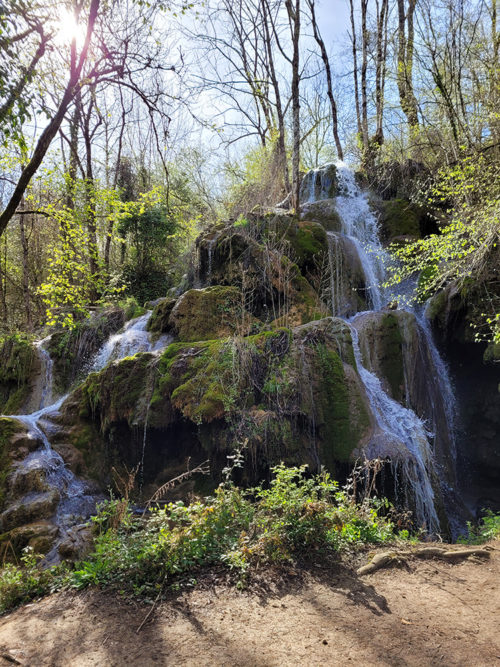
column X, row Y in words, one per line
column 426, row 613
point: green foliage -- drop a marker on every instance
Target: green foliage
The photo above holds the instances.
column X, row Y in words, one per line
column 149, row 230
column 236, row 528
column 24, row 582
column 239, row 529
column 488, row 529
column 466, row 249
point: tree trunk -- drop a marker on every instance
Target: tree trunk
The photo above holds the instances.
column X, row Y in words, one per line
column 328, row 71
column 355, row 66
column 293, row 9
column 407, row 97
column 26, row 287
column 266, row 17
column 51, row 130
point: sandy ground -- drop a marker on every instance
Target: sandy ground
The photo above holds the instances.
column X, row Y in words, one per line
column 423, row 613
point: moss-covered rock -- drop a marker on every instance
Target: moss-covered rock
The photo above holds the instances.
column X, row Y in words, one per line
column 289, row 394
column 213, row 312
column 492, row 353
column 382, row 336
column 71, row 349
column 398, row 218
column 19, row 366
column 14, row 444
column 159, row 321
column 324, row 212
column 273, row 287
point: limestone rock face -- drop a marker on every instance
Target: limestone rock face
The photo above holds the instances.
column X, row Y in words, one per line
column 324, row 212
column 292, row 395
column 24, row 511
column 213, row 312
column 272, row 285
column 19, row 368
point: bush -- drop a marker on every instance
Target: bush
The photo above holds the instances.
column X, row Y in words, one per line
column 239, row 529
column 21, row 583
column 488, row 529
column 234, row 527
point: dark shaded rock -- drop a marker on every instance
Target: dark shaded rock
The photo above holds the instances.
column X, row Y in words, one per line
column 40, row 536
column 28, row 509
column 159, row 320
column 19, row 368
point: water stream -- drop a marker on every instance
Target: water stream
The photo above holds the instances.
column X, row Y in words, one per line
column 77, row 500
column 400, row 434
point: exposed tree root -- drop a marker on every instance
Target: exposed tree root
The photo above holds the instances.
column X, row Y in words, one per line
column 392, row 557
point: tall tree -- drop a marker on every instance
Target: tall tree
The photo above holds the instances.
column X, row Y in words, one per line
column 406, row 33
column 78, row 58
column 328, row 72
column 293, row 11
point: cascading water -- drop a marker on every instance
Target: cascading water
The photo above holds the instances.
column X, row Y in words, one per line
column 318, row 184
column 47, row 363
column 400, row 434
column 76, row 501
column 133, row 339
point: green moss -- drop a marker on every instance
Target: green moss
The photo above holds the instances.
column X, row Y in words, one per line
column 338, row 437
column 18, row 360
column 492, row 353
column 436, row 307
column 159, row 320
column 391, row 354
column 399, row 218
column 117, row 393
column 213, row 312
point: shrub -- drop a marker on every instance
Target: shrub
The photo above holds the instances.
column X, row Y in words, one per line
column 296, row 514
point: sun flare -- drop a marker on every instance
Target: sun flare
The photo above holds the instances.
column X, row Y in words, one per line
column 69, row 29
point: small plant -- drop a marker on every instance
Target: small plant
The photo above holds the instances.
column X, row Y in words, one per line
column 24, row 582
column 488, row 529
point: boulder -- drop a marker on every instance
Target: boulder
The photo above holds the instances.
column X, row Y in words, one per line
column 213, row 312
column 29, row 508
column 324, row 212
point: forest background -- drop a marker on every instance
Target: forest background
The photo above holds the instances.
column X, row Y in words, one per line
column 128, row 126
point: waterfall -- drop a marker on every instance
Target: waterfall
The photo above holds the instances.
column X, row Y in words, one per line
column 47, row 364
column 318, row 184
column 360, row 225
column 132, row 339
column 76, row 500
column 400, row 434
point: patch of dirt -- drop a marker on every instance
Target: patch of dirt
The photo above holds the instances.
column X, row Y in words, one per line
column 422, row 613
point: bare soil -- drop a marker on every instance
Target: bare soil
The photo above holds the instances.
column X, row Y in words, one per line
column 420, row 613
